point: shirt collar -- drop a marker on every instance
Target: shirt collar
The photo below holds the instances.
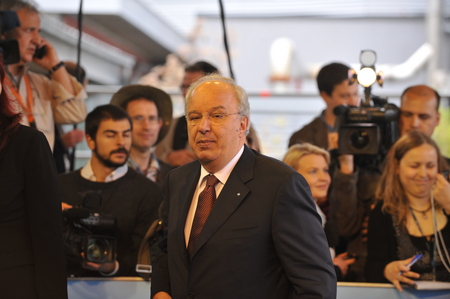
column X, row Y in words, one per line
column 225, row 172
column 152, row 170
column 88, row 173
column 322, row 118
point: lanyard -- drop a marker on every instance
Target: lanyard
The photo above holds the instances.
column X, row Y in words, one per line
column 27, row 107
column 433, row 259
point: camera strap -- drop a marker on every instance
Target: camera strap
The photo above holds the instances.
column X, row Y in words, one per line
column 28, row 106
column 144, row 262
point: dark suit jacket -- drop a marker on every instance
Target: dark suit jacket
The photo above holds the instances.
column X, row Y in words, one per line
column 32, row 262
column 263, row 238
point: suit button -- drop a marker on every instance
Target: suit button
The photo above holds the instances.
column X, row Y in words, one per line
column 191, row 295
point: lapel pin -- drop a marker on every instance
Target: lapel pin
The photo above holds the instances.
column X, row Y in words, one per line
column 239, row 194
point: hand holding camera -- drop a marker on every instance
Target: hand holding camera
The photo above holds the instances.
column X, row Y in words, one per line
column 105, row 268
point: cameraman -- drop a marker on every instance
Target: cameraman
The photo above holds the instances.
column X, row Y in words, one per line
column 335, row 89
column 42, row 101
column 127, row 195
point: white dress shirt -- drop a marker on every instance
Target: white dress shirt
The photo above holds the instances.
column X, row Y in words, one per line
column 222, row 175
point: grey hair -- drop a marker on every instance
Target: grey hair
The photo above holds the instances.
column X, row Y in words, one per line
column 241, row 94
column 16, row 5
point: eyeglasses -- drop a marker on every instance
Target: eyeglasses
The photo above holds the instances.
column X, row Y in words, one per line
column 215, row 118
column 153, row 120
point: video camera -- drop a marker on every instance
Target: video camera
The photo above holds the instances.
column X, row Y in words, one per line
column 372, row 128
column 9, row 48
column 89, row 232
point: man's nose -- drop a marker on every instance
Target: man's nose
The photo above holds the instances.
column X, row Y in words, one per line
column 415, row 121
column 205, row 124
column 146, row 122
column 36, row 38
column 120, row 139
column 356, row 99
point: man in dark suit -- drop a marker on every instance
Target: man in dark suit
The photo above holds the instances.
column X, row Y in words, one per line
column 262, row 238
column 150, row 109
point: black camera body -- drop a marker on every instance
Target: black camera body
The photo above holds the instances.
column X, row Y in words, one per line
column 367, row 130
column 89, row 233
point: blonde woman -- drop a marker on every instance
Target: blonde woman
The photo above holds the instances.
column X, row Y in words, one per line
column 312, row 163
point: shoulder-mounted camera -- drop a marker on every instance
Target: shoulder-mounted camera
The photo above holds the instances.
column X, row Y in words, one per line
column 372, row 128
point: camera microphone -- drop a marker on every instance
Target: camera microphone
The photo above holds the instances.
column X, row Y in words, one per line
column 76, row 213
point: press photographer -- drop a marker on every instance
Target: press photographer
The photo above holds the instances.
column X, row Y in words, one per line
column 126, row 195
column 42, row 101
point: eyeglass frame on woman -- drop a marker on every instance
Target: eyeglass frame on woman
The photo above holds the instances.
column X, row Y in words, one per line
column 218, row 117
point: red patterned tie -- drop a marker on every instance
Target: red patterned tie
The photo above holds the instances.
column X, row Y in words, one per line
column 205, row 203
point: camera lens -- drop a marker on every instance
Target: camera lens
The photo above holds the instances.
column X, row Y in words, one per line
column 97, row 250
column 360, row 139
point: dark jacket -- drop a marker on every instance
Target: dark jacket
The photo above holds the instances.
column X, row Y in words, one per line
column 262, row 239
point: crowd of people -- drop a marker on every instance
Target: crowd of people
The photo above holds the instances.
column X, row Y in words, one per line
column 237, row 224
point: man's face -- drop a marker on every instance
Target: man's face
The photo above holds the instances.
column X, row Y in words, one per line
column 146, row 124
column 189, row 78
column 343, row 93
column 112, row 142
column 27, row 34
column 418, row 112
column 215, row 145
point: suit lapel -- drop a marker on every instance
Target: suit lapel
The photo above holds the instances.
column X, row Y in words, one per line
column 232, row 194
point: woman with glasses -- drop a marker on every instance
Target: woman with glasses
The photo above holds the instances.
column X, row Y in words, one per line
column 410, row 221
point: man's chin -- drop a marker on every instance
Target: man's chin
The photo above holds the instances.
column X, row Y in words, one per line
column 205, row 156
column 141, row 147
column 114, row 163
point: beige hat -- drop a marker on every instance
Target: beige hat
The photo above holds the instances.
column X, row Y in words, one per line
column 162, row 100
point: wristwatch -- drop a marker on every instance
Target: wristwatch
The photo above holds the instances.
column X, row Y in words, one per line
column 56, row 67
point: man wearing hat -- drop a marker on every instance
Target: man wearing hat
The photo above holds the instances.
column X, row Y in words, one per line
column 151, row 112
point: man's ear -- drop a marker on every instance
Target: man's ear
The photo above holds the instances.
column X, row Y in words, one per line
column 244, row 126
column 325, row 97
column 90, row 142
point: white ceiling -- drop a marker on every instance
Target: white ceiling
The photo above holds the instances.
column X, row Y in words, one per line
column 182, row 14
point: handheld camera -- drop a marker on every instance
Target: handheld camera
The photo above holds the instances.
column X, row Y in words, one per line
column 90, row 232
